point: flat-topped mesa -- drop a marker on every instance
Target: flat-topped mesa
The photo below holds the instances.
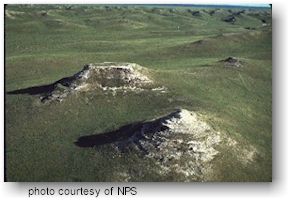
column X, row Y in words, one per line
column 113, row 75
column 108, row 77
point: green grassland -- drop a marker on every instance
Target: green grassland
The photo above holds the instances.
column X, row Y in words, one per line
column 46, row 43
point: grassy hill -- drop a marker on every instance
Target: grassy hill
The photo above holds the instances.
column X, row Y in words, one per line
column 182, row 47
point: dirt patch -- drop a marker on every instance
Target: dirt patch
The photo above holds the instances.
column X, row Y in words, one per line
column 179, row 142
column 108, row 77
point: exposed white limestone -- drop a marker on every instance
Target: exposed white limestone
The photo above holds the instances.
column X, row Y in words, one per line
column 180, row 142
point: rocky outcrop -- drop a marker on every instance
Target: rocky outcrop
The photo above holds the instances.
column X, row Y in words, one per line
column 108, row 77
column 180, row 142
column 232, row 62
column 230, row 19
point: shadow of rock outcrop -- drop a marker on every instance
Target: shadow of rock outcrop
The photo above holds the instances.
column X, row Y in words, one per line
column 123, row 133
column 43, row 89
column 36, row 90
column 133, row 132
column 53, row 91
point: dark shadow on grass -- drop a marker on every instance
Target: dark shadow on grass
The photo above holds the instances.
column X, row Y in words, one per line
column 133, row 132
column 120, row 134
column 44, row 89
column 34, row 90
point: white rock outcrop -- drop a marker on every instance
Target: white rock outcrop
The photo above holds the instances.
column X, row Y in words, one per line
column 180, row 142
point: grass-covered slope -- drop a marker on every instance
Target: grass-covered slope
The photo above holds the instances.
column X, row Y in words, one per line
column 181, row 48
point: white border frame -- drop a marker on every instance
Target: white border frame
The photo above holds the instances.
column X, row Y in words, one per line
column 278, row 189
